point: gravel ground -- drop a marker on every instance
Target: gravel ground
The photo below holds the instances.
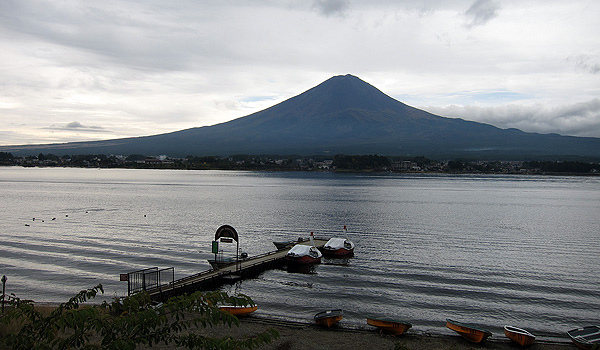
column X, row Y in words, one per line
column 303, row 336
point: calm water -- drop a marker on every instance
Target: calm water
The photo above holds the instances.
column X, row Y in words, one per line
column 491, row 250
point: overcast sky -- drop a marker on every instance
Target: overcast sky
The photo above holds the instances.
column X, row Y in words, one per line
column 92, row 70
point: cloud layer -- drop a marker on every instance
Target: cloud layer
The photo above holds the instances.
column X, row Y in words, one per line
column 123, row 69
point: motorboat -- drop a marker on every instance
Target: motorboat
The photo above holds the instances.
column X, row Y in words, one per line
column 304, row 254
column 329, row 318
column 339, row 247
column 286, row 244
column 389, row 325
column 519, row 336
column 585, row 337
column 470, row 332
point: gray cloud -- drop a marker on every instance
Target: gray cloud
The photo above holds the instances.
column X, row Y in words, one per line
column 332, row 7
column 76, row 126
column 586, row 63
column 153, row 66
column 577, row 119
column 481, row 12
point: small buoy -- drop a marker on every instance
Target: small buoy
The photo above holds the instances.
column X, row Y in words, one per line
column 144, row 215
column 67, row 216
column 33, row 219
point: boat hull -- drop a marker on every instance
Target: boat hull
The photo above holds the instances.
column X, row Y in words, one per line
column 329, row 318
column 585, row 337
column 303, row 260
column 337, row 253
column 239, row 310
column 519, row 336
column 387, row 325
column 471, row 333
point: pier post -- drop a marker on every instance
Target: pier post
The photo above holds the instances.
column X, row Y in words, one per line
column 3, row 291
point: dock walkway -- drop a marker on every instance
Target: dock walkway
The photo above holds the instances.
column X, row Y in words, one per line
column 236, row 270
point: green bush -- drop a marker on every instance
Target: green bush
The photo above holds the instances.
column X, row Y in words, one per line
column 124, row 323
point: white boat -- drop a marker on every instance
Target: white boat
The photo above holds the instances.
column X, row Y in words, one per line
column 339, row 247
column 304, row 254
column 586, row 337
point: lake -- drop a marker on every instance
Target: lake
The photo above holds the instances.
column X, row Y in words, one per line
column 489, row 249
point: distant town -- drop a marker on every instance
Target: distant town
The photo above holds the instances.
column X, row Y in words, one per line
column 337, row 163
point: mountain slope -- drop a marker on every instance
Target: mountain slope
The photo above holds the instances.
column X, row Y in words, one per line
column 341, row 115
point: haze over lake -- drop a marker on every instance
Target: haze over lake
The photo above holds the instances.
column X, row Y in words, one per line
column 491, row 250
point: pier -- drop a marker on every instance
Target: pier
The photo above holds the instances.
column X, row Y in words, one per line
column 160, row 284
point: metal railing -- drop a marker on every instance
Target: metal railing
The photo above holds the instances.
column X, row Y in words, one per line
column 149, row 278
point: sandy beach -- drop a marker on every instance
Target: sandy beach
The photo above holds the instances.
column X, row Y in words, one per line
column 305, row 336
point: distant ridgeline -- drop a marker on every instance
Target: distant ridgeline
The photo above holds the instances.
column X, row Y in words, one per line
column 338, row 163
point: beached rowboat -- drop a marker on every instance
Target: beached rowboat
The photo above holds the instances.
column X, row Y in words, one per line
column 470, row 332
column 239, row 310
column 389, row 325
column 519, row 336
column 585, row 337
column 329, row 318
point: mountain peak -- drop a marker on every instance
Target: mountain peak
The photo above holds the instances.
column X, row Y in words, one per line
column 346, row 92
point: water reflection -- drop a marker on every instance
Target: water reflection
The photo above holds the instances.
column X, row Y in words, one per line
column 302, row 268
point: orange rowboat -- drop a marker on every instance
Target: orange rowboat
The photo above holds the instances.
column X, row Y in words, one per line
column 239, row 310
column 389, row 325
column 329, row 318
column 519, row 336
column 471, row 333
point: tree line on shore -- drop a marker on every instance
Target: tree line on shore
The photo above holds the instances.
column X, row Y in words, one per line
column 339, row 163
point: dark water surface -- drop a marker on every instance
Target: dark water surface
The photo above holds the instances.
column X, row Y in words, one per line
column 490, row 250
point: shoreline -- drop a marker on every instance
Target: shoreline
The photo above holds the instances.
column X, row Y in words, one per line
column 307, row 336
column 297, row 335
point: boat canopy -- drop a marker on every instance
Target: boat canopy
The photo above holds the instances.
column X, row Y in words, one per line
column 337, row 243
column 302, row 250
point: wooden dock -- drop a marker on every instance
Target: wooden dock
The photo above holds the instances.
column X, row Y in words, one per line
column 245, row 268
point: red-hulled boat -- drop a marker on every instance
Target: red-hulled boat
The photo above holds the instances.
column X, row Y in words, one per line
column 470, row 332
column 389, row 325
column 239, row 310
column 304, row 254
column 519, row 336
column 339, row 247
column 329, row 318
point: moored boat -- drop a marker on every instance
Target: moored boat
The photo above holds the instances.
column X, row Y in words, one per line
column 585, row 337
column 519, row 336
column 470, row 332
column 389, row 325
column 239, row 310
column 286, row 244
column 329, row 318
column 304, row 254
column 339, row 247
